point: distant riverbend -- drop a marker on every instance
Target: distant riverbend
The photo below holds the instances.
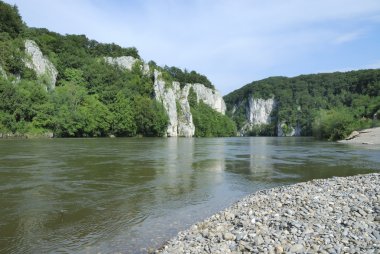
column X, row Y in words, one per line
column 131, row 194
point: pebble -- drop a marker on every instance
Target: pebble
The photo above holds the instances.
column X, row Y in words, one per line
column 335, row 215
column 279, row 249
column 297, row 248
column 229, row 237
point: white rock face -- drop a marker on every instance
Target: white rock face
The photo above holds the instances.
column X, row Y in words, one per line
column 186, row 127
column 40, row 64
column 290, row 132
column 125, row 62
column 210, row 97
column 181, row 121
column 259, row 110
column 167, row 96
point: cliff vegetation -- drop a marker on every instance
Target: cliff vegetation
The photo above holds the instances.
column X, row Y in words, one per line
column 73, row 91
column 326, row 105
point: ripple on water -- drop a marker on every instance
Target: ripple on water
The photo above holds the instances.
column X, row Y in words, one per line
column 126, row 195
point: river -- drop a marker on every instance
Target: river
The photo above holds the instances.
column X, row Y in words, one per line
column 130, row 194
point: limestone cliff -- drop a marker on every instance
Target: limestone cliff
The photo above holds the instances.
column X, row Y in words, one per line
column 175, row 100
column 258, row 112
column 40, row 64
column 210, row 97
column 126, row 62
column 180, row 120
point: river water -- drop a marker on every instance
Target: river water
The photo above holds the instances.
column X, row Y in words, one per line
column 128, row 195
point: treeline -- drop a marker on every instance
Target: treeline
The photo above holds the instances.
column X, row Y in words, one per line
column 72, row 111
column 327, row 105
column 91, row 98
column 185, row 77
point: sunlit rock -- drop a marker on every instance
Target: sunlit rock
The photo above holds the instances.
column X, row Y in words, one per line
column 126, row 62
column 175, row 101
column 259, row 110
column 210, row 97
column 40, row 64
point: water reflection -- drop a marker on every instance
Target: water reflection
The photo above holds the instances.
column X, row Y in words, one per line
column 125, row 195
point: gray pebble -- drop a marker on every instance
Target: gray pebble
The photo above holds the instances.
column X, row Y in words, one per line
column 338, row 215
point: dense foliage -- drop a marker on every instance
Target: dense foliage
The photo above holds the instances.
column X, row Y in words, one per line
column 208, row 122
column 10, row 20
column 329, row 105
column 91, row 98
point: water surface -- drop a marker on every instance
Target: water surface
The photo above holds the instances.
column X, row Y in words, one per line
column 128, row 195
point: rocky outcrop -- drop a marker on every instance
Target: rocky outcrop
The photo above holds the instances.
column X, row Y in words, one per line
column 126, row 62
column 186, row 127
column 259, row 110
column 166, row 95
column 175, row 101
column 258, row 113
column 210, row 97
column 285, row 130
column 40, row 64
column 180, row 119
column 174, row 98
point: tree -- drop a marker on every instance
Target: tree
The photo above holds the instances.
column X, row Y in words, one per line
column 123, row 123
column 10, row 20
column 150, row 117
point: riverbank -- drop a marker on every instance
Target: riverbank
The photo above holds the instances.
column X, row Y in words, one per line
column 26, row 135
column 367, row 136
column 335, row 215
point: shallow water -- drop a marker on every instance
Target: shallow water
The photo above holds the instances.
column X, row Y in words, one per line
column 128, row 195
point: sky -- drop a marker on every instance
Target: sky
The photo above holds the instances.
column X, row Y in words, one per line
column 232, row 42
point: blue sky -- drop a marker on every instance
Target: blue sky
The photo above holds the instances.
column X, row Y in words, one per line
column 232, row 42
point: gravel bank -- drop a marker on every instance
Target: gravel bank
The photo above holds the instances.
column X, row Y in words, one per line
column 335, row 215
column 367, row 137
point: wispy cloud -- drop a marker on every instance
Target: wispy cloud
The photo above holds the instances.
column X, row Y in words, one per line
column 347, row 37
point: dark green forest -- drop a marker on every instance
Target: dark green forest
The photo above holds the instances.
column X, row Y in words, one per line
column 91, row 98
column 327, row 105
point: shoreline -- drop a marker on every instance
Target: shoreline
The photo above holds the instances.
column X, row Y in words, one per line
column 340, row 214
column 366, row 137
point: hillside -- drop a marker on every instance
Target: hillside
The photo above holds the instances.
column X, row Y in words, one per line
column 327, row 105
column 71, row 86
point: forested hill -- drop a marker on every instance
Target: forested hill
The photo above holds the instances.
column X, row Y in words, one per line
column 328, row 105
column 71, row 86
